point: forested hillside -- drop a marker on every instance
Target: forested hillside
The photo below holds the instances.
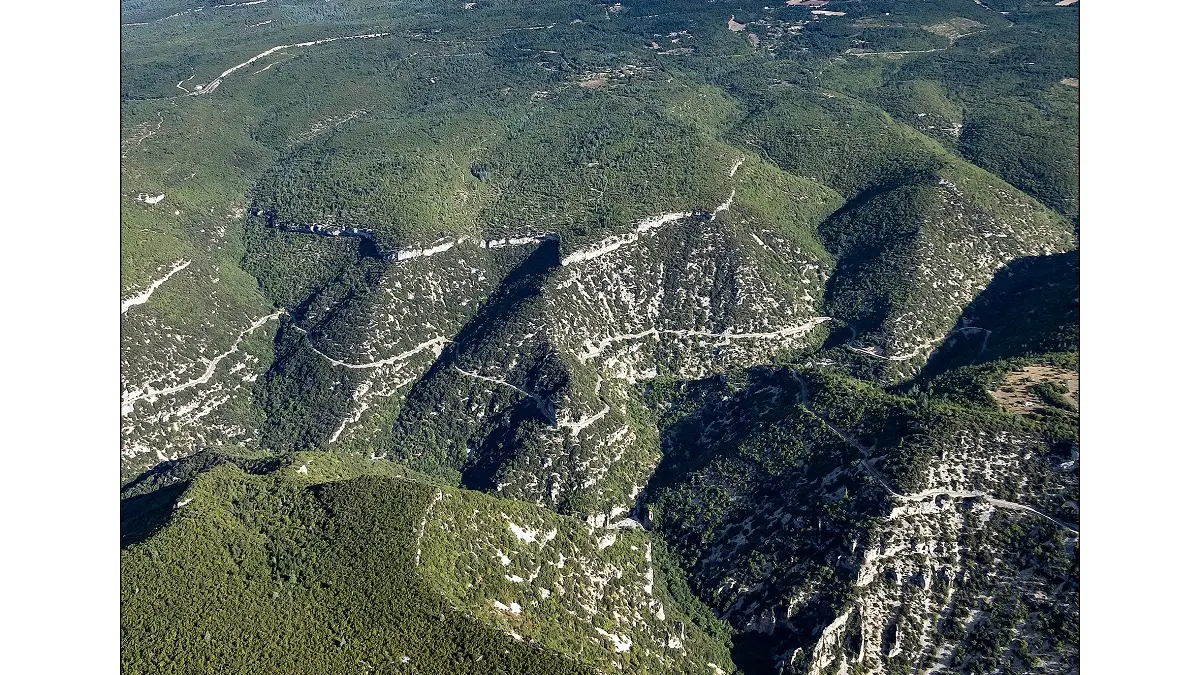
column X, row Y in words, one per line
column 564, row 336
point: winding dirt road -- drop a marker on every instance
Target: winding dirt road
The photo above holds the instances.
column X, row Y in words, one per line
column 543, row 405
column 924, row 494
column 149, row 392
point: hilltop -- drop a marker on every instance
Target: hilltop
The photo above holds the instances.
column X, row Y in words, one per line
column 769, row 315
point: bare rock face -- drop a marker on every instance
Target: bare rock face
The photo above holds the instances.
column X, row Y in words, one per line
column 934, row 539
column 715, row 352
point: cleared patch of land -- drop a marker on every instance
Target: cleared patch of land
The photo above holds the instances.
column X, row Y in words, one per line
column 1016, row 393
column 954, row 29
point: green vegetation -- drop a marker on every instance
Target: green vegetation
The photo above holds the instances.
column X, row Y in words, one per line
column 259, row 575
column 748, row 508
column 730, row 313
column 304, row 396
column 838, row 141
column 998, row 97
column 762, row 487
column 286, row 571
column 1028, row 147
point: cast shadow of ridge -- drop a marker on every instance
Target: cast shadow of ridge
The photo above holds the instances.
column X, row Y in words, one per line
column 1030, row 307
column 148, row 501
column 503, row 310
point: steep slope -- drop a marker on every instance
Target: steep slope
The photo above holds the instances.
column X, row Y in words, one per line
column 1030, row 308
column 543, row 137
column 920, row 232
column 571, row 298
column 568, row 353
column 546, row 326
column 324, row 565
column 838, row 527
column 753, row 494
column 195, row 328
column 564, row 584
column 913, row 257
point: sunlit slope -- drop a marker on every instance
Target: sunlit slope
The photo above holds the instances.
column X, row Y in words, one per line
column 185, row 300
column 837, row 526
column 285, row 571
column 667, row 253
column 511, row 127
column 921, row 231
column 911, row 258
column 589, row 270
